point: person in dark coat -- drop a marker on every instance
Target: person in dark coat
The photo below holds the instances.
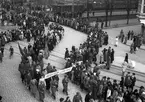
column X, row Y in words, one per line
column 66, row 53
column 11, row 52
column 102, row 25
column 21, row 69
column 1, row 57
column 41, row 89
column 94, row 89
column 28, row 80
column 77, row 97
column 105, row 54
column 67, row 99
column 128, row 35
column 88, row 96
column 126, row 58
column 2, row 50
column 133, row 78
column 61, row 99
column 112, row 55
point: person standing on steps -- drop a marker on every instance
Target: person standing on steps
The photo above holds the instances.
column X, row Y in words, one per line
column 66, row 54
column 11, row 52
column 126, row 58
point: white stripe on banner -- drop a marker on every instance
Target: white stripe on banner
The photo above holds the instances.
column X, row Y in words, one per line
column 58, row 72
column 63, row 71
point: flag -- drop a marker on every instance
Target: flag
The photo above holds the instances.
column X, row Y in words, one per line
column 46, row 51
column 21, row 50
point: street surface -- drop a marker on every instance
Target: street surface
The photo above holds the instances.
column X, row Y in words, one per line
column 12, row 89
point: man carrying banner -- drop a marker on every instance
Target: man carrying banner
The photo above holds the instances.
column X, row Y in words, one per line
column 65, row 84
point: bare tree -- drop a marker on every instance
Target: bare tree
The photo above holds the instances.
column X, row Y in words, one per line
column 106, row 11
column 128, row 9
column 111, row 6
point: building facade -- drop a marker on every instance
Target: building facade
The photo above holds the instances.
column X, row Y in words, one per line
column 141, row 16
column 141, row 11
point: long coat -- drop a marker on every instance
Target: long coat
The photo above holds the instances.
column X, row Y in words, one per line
column 112, row 56
column 33, row 87
column 88, row 97
column 53, row 85
column 41, row 89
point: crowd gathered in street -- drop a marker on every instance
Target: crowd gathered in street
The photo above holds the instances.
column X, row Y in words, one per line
column 87, row 60
column 136, row 39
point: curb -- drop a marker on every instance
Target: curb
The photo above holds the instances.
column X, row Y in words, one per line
column 128, row 69
column 121, row 25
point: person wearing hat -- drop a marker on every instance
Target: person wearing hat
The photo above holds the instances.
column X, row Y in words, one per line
column 65, row 84
column 133, row 78
column 108, row 81
column 77, row 97
column 11, row 52
column 115, row 84
column 66, row 54
column 41, row 89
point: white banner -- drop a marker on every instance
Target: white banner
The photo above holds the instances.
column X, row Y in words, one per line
column 58, row 72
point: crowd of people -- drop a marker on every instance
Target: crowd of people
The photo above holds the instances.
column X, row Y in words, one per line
column 137, row 40
column 88, row 78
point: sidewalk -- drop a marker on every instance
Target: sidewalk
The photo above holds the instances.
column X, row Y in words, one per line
column 138, row 66
column 118, row 23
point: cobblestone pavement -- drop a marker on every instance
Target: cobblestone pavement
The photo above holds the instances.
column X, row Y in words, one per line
column 13, row 90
